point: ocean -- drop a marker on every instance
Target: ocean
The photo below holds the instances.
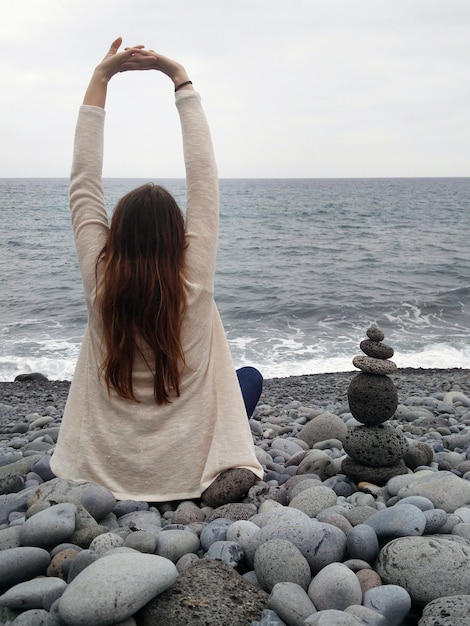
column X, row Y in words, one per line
column 305, row 266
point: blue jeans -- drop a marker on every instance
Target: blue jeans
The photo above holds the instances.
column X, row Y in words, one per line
column 251, row 385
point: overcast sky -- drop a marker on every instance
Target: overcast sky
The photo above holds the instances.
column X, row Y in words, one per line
column 306, row 88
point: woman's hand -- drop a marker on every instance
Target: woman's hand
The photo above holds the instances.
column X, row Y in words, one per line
column 113, row 63
column 130, row 59
column 150, row 60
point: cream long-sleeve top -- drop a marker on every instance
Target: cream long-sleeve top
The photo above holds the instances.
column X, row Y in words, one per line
column 144, row 451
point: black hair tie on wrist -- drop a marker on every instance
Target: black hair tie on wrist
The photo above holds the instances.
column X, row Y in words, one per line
column 188, row 82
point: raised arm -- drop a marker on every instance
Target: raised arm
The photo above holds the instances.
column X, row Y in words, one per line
column 89, row 219
column 87, row 203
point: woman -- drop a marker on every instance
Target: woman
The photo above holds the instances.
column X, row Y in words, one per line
column 155, row 411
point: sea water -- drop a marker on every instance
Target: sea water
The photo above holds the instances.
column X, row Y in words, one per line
column 305, row 266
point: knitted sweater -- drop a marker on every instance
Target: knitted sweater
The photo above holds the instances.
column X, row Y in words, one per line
column 144, row 451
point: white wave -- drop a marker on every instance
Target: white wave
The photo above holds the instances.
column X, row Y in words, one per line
column 326, row 359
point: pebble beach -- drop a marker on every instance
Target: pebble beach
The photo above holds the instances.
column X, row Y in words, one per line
column 306, row 546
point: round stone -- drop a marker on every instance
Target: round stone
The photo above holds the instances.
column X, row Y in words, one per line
column 427, row 567
column 392, row 601
column 229, row 486
column 55, row 567
column 445, row 490
column 376, row 349
column 335, row 587
column 375, row 445
column 322, row 427
column 368, row 579
column 375, row 333
column 22, row 563
column 418, row 453
column 312, row 501
column 435, row 520
column 50, row 526
column 405, row 520
column 372, row 398
column 290, row 602
column 30, row 594
column 188, row 512
column 173, row 544
column 374, row 366
column 362, row 543
column 279, row 560
column 105, row 542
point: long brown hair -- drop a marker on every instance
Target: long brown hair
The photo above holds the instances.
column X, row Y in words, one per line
column 141, row 292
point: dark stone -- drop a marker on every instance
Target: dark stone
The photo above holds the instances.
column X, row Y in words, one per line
column 229, row 486
column 207, row 593
column 234, row 511
column 375, row 333
column 34, row 376
column 12, row 483
column 371, row 365
column 372, row 398
column 376, row 475
column 376, row 349
column 375, row 445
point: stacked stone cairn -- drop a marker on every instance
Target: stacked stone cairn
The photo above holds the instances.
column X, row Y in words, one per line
column 375, row 449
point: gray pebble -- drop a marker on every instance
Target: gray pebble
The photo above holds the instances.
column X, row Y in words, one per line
column 392, row 601
column 215, row 531
column 313, row 500
column 291, row 602
column 30, row 594
column 173, row 544
column 398, row 521
column 229, row 552
column 115, row 587
column 335, row 587
column 444, row 489
column 49, row 527
column 325, row 426
column 363, row 543
column 435, row 520
column 278, row 560
column 20, row 564
column 427, row 567
column 141, row 540
column 79, row 563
